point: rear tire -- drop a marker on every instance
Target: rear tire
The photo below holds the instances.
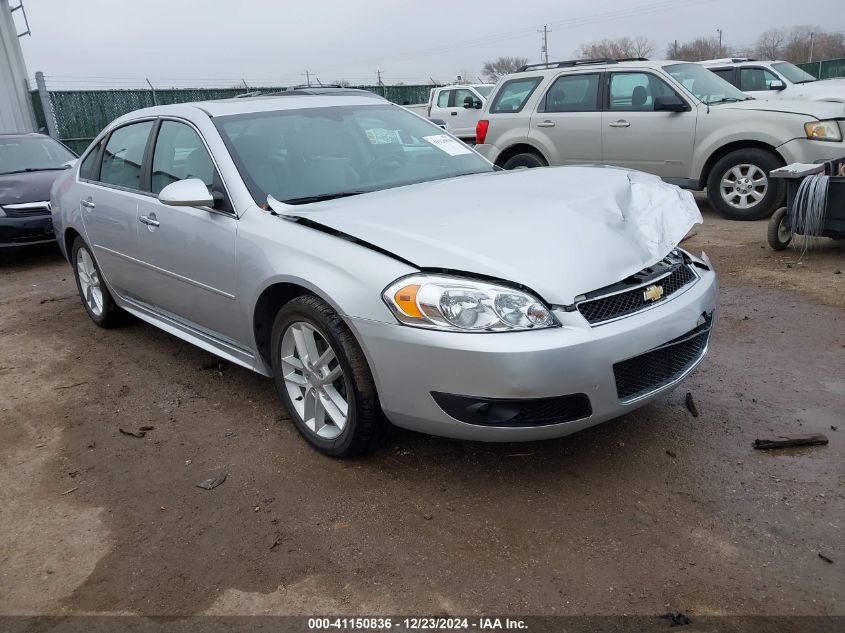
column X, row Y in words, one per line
column 93, row 292
column 779, row 234
column 526, row 160
column 310, row 342
column 739, row 186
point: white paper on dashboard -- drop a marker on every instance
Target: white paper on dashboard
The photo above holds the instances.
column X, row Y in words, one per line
column 448, row 144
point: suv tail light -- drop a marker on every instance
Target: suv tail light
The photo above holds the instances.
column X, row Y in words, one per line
column 481, row 131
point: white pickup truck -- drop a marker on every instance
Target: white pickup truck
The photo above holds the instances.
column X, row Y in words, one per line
column 458, row 106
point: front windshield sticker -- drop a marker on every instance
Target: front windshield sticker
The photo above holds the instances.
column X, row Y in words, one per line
column 448, row 144
column 380, row 136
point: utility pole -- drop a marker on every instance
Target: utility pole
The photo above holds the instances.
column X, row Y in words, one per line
column 719, row 31
column 812, row 42
column 544, row 49
column 307, row 78
column 380, row 83
column 675, row 52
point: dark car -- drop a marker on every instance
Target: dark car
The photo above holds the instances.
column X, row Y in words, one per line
column 29, row 163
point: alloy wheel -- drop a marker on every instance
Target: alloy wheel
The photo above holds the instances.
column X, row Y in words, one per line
column 89, row 282
column 744, row 186
column 314, row 380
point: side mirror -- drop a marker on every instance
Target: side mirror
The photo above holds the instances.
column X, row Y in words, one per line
column 670, row 103
column 478, row 104
column 777, row 84
column 190, row 192
column 469, row 102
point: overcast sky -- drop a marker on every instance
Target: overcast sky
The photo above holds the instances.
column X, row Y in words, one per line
column 114, row 43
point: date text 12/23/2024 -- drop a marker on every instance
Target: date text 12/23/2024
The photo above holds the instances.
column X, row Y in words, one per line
column 415, row 624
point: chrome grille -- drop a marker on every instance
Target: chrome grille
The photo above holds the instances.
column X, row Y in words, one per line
column 626, row 302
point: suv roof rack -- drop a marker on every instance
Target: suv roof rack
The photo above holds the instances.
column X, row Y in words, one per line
column 581, row 62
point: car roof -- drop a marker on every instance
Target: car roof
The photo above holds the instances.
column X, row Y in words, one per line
column 295, row 100
column 22, row 135
column 738, row 62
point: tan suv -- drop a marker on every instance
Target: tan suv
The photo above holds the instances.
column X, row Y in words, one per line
column 677, row 120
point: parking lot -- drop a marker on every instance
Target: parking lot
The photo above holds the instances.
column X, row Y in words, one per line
column 655, row 511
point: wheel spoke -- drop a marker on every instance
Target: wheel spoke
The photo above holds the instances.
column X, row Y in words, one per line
column 296, row 379
column 98, row 300
column 319, row 414
column 299, row 342
column 293, row 361
column 737, row 172
column 325, row 358
column 308, row 406
column 337, row 402
column 728, row 184
column 757, row 195
column 333, row 375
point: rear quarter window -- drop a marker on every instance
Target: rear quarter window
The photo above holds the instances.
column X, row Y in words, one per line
column 513, row 94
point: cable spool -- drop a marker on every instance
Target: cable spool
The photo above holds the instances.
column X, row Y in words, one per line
column 809, row 208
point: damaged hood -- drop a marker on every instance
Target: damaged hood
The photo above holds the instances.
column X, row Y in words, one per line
column 560, row 231
column 32, row 186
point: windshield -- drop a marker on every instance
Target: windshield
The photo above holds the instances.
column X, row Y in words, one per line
column 301, row 156
column 484, row 91
column 707, row 86
column 793, row 73
column 32, row 153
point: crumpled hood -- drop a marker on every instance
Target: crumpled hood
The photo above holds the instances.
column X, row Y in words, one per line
column 33, row 186
column 559, row 231
column 817, row 109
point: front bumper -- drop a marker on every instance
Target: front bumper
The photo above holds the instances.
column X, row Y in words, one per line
column 409, row 364
column 22, row 231
column 802, row 150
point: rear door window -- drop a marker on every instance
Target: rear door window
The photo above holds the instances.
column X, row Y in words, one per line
column 124, row 155
column 513, row 94
column 725, row 73
column 573, row 93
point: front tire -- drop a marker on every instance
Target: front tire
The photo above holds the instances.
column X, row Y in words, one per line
column 779, row 234
column 524, row 161
column 96, row 299
column 324, row 381
column 739, row 186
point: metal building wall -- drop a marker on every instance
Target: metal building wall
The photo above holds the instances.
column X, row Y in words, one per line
column 15, row 108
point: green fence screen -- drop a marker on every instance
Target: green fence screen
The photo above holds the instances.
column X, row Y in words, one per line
column 825, row 69
column 81, row 114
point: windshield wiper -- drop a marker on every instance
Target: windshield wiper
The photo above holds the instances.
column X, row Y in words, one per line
column 805, row 81
column 30, row 169
column 727, row 100
column 322, row 197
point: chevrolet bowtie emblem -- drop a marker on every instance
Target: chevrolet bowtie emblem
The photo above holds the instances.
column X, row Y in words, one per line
column 653, row 293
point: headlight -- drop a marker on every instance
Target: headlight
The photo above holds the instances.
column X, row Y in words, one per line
column 823, row 131
column 439, row 302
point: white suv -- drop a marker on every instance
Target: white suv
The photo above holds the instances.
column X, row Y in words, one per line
column 673, row 119
column 776, row 80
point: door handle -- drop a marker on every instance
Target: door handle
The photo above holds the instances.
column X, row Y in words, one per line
column 88, row 204
column 454, row 114
column 149, row 221
column 619, row 123
column 546, row 124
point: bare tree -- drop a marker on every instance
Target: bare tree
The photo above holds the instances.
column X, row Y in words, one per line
column 618, row 48
column 770, row 44
column 807, row 43
column 342, row 82
column 695, row 50
column 502, row 66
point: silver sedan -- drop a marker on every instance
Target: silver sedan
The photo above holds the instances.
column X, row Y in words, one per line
column 381, row 271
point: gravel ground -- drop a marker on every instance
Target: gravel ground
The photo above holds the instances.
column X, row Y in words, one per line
column 654, row 511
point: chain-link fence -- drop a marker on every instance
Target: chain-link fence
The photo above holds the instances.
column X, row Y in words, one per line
column 81, row 114
column 825, row 69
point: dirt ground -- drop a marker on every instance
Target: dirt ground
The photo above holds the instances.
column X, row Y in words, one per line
column 654, row 511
